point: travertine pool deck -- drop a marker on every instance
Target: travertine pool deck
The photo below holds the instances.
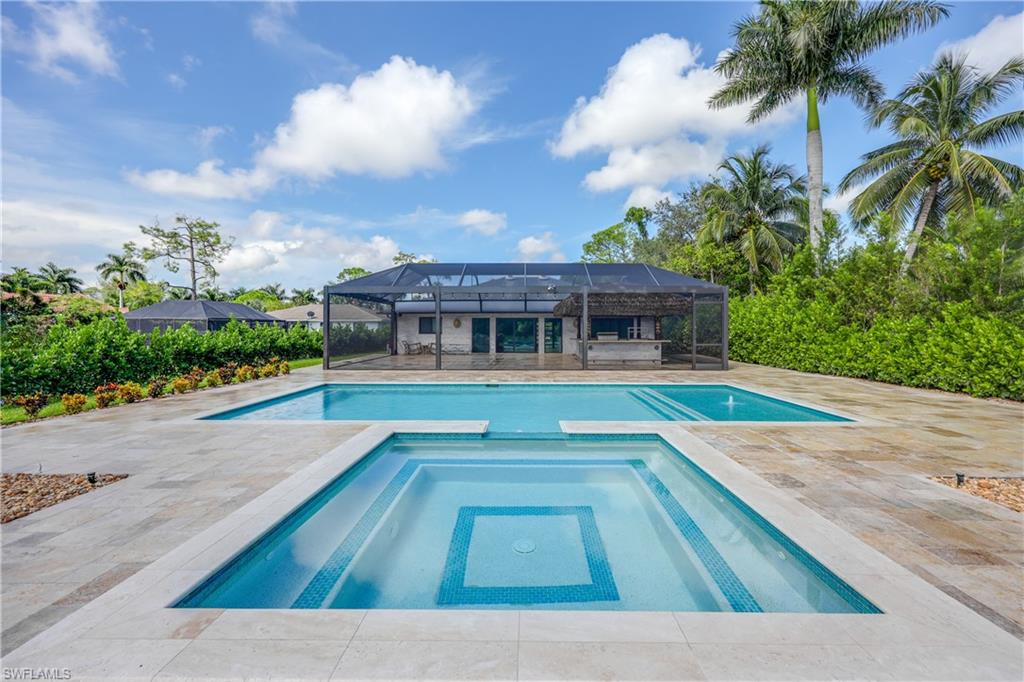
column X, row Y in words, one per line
column 869, row 479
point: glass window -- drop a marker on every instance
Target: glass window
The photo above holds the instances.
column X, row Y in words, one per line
column 426, row 325
column 610, row 325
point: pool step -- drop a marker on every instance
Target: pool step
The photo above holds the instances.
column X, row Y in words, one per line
column 670, row 409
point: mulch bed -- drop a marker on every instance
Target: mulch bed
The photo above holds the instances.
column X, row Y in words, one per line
column 1008, row 492
column 22, row 494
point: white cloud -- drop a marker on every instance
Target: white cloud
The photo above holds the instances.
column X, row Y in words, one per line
column 177, row 81
column 264, row 223
column 652, row 118
column 482, row 221
column 63, row 39
column 271, row 25
column 645, row 196
column 388, row 123
column 999, row 41
column 540, row 247
column 840, row 203
column 654, row 165
column 207, row 135
column 208, row 181
column 190, row 62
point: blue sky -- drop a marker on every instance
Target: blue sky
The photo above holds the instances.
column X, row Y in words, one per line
column 323, row 135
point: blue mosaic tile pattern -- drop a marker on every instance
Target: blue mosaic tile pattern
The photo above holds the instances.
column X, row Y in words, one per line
column 316, row 592
column 319, row 588
column 454, row 591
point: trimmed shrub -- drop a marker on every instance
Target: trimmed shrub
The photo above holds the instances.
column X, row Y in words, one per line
column 157, row 387
column 181, row 385
column 73, row 402
column 106, row 394
column 957, row 350
column 284, row 367
column 76, row 358
column 32, row 403
column 194, row 378
column 213, row 379
column 130, row 392
column 245, row 373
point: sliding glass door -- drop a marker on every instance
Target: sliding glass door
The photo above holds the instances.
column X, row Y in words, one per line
column 516, row 335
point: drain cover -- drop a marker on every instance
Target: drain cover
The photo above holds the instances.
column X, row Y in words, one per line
column 523, row 546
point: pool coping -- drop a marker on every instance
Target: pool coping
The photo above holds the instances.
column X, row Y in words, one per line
column 853, row 420
column 914, row 612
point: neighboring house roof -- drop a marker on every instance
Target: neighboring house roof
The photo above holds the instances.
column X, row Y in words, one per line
column 340, row 312
column 198, row 310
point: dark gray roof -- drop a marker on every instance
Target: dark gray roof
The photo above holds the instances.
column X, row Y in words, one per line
column 197, row 310
column 554, row 279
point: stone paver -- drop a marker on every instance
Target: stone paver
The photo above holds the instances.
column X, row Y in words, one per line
column 186, row 475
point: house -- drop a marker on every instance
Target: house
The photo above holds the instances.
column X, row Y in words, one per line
column 482, row 315
column 342, row 315
column 203, row 315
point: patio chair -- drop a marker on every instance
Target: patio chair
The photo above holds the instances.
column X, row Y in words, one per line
column 412, row 347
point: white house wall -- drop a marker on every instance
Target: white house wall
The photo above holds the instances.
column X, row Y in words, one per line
column 461, row 336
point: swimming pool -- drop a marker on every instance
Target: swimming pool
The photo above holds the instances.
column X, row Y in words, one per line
column 569, row 522
column 529, row 407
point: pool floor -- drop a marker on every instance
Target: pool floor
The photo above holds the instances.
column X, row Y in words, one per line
column 609, row 523
column 529, row 408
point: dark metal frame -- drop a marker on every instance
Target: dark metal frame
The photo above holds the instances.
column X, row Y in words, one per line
column 390, row 294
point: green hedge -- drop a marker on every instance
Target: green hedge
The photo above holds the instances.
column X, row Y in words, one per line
column 76, row 359
column 958, row 350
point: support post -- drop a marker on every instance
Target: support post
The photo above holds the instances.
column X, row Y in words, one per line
column 585, row 327
column 327, row 329
column 437, row 327
column 725, row 329
column 394, row 330
column 693, row 331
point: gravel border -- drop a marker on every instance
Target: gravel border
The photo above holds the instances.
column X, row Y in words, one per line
column 22, row 494
column 1008, row 491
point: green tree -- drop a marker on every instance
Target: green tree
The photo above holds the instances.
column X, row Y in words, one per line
column 275, row 290
column 815, row 50
column 353, row 273
column 57, row 280
column 405, row 257
column 260, row 300
column 21, row 280
column 754, row 207
column 194, row 242
column 214, row 293
column 142, row 293
column 121, row 270
column 936, row 166
column 615, row 244
column 304, row 297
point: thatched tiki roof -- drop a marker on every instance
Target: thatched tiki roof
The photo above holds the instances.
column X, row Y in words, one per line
column 599, row 305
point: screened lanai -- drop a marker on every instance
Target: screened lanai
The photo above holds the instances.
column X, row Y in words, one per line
column 531, row 316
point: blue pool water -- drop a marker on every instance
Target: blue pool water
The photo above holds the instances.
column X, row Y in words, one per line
column 614, row 523
column 529, row 407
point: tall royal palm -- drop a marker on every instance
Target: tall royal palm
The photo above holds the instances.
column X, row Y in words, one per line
column 755, row 205
column 58, row 280
column 813, row 49
column 122, row 269
column 936, row 165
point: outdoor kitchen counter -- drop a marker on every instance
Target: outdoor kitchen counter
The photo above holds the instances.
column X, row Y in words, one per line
column 619, row 351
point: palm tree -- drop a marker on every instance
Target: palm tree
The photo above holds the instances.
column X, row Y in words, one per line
column 122, row 269
column 213, row 293
column 814, row 49
column 275, row 290
column 935, row 166
column 58, row 280
column 304, row 296
column 755, row 206
column 20, row 280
